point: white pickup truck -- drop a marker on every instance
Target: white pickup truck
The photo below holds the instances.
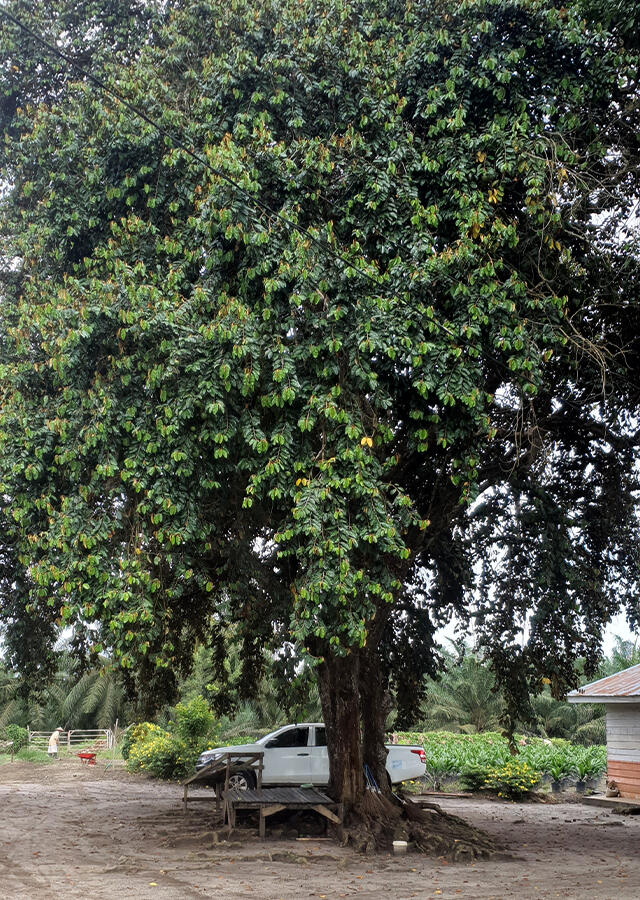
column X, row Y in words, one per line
column 297, row 754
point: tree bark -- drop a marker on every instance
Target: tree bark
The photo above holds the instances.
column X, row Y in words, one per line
column 338, row 682
column 375, row 705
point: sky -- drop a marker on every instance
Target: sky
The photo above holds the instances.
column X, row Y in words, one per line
column 618, row 627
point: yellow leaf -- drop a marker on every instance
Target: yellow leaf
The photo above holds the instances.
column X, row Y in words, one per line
column 480, row 156
column 366, row 442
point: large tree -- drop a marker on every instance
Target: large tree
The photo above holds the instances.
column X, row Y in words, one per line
column 344, row 343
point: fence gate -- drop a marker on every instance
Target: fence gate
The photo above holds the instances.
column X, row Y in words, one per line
column 102, row 737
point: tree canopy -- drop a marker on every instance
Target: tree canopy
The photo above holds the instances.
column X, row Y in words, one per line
column 339, row 340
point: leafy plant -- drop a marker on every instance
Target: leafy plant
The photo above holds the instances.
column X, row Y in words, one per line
column 590, row 763
column 19, row 736
column 513, row 780
column 170, row 753
column 472, row 755
column 138, row 734
column 474, row 778
column 194, row 721
column 160, row 754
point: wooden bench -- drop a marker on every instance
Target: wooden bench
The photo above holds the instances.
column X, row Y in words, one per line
column 273, row 800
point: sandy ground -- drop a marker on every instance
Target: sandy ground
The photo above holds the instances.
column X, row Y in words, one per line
column 90, row 833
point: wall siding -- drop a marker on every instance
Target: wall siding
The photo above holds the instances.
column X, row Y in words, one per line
column 623, row 732
column 623, row 748
column 627, row 776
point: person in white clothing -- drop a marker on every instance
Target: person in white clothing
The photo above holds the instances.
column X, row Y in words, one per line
column 54, row 740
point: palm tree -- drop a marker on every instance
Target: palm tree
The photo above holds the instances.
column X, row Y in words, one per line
column 624, row 654
column 94, row 699
column 553, row 718
column 10, row 705
column 463, row 699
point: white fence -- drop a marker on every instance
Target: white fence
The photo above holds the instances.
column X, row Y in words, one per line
column 75, row 738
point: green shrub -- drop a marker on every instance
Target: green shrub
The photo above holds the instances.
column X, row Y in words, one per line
column 17, row 734
column 512, row 781
column 126, row 742
column 137, row 734
column 474, row 779
column 194, row 721
column 235, row 740
column 160, row 754
column 170, row 754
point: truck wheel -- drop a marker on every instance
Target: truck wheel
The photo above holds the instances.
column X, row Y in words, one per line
column 242, row 781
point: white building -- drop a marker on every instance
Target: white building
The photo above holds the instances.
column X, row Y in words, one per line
column 620, row 694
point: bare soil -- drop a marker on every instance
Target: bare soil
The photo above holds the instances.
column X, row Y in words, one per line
column 91, row 832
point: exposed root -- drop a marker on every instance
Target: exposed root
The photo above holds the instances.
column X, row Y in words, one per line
column 380, row 820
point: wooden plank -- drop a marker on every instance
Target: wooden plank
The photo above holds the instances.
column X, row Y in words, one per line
column 302, row 796
column 327, row 813
column 625, row 766
column 627, row 776
column 631, row 783
column 270, row 810
column 234, row 762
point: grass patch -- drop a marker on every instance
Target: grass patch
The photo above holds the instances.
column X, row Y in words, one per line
column 27, row 754
column 40, row 756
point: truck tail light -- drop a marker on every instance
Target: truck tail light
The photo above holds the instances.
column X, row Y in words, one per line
column 421, row 754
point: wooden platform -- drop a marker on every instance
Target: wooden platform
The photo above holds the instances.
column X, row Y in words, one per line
column 273, row 800
column 218, row 772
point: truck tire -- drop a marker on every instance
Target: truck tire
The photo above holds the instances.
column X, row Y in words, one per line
column 242, row 781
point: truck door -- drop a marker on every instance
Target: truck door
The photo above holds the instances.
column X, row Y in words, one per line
column 287, row 757
column 319, row 757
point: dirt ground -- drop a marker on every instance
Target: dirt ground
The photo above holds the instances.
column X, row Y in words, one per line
column 87, row 832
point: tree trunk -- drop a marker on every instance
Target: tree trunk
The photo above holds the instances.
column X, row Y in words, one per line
column 375, row 705
column 338, row 682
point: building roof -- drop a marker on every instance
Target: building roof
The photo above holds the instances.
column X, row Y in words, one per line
column 623, row 687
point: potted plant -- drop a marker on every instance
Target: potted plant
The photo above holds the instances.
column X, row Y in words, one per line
column 558, row 769
column 587, row 767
